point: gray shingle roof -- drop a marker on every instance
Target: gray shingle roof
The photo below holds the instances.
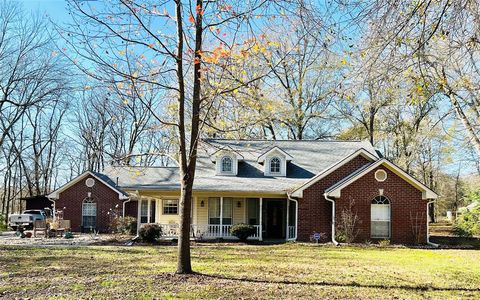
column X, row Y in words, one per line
column 309, row 158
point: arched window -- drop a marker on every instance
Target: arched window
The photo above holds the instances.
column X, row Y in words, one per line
column 380, row 218
column 89, row 214
column 227, row 164
column 275, row 165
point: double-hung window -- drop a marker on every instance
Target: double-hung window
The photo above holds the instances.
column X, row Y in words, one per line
column 380, row 217
column 214, row 210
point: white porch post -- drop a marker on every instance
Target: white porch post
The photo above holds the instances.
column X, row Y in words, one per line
column 260, row 221
column 288, row 211
column 139, row 207
column 149, row 210
column 221, row 216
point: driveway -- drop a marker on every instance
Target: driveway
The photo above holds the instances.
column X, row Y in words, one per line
column 79, row 239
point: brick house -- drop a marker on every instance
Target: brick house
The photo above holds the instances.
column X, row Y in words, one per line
column 287, row 190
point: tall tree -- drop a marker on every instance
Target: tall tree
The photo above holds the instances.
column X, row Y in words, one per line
column 168, row 49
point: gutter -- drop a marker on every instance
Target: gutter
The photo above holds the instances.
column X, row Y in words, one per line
column 428, row 225
column 334, row 241
column 289, row 197
column 54, row 208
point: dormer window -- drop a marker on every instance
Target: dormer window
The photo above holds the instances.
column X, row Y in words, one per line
column 275, row 165
column 227, row 164
column 226, row 161
column 274, row 162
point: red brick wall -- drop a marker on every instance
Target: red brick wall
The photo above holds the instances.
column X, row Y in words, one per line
column 131, row 209
column 70, row 201
column 406, row 204
column 314, row 212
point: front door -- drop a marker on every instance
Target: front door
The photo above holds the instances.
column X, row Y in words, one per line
column 274, row 219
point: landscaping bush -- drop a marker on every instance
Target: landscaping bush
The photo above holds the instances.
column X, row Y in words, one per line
column 384, row 243
column 149, row 233
column 242, row 231
column 3, row 223
column 124, row 225
column 346, row 231
column 468, row 223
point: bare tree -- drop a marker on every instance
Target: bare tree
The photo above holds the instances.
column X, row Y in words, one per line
column 33, row 84
column 171, row 60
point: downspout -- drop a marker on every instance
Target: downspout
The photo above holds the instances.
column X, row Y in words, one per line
column 289, row 197
column 123, row 211
column 428, row 226
column 334, row 241
column 53, row 200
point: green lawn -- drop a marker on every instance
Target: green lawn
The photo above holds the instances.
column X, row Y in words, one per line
column 239, row 271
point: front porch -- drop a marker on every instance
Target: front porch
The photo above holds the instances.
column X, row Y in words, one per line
column 213, row 217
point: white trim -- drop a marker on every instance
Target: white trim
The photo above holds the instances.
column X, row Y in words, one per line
column 378, row 172
column 55, row 194
column 298, row 192
column 428, row 226
column 261, row 158
column 139, row 207
column 260, row 238
column 227, row 151
column 426, row 192
column 288, row 212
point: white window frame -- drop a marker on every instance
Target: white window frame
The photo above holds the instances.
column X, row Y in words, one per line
column 222, row 165
column 85, row 209
column 172, row 203
column 381, row 202
column 377, row 174
column 279, row 165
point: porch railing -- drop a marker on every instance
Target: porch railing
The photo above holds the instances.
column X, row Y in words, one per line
column 205, row 231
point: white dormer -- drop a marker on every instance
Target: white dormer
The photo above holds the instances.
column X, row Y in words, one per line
column 275, row 162
column 226, row 162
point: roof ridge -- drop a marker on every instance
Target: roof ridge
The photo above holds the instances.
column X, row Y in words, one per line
column 283, row 140
column 145, row 167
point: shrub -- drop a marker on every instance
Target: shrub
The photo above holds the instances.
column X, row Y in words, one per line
column 384, row 243
column 124, row 225
column 150, row 232
column 347, row 226
column 468, row 223
column 242, row 231
column 3, row 223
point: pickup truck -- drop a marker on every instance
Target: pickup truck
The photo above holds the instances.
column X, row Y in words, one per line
column 26, row 219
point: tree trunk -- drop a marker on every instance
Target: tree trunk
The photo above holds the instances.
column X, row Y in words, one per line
column 188, row 166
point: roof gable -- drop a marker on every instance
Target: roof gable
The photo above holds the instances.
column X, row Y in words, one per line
column 105, row 181
column 298, row 192
column 261, row 158
column 335, row 190
column 225, row 151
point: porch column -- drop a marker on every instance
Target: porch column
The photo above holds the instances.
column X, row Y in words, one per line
column 260, row 238
column 149, row 210
column 221, row 216
column 139, row 207
column 288, row 211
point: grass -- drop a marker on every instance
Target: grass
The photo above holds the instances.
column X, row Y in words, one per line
column 239, row 271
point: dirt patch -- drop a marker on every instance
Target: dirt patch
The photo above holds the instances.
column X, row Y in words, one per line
column 79, row 239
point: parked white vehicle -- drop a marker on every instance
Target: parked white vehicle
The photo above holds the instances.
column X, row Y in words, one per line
column 26, row 219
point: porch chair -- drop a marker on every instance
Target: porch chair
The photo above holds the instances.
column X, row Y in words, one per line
column 40, row 225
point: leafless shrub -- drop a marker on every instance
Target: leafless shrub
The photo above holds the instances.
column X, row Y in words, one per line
column 347, row 229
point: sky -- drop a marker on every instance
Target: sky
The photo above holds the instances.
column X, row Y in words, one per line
column 56, row 11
